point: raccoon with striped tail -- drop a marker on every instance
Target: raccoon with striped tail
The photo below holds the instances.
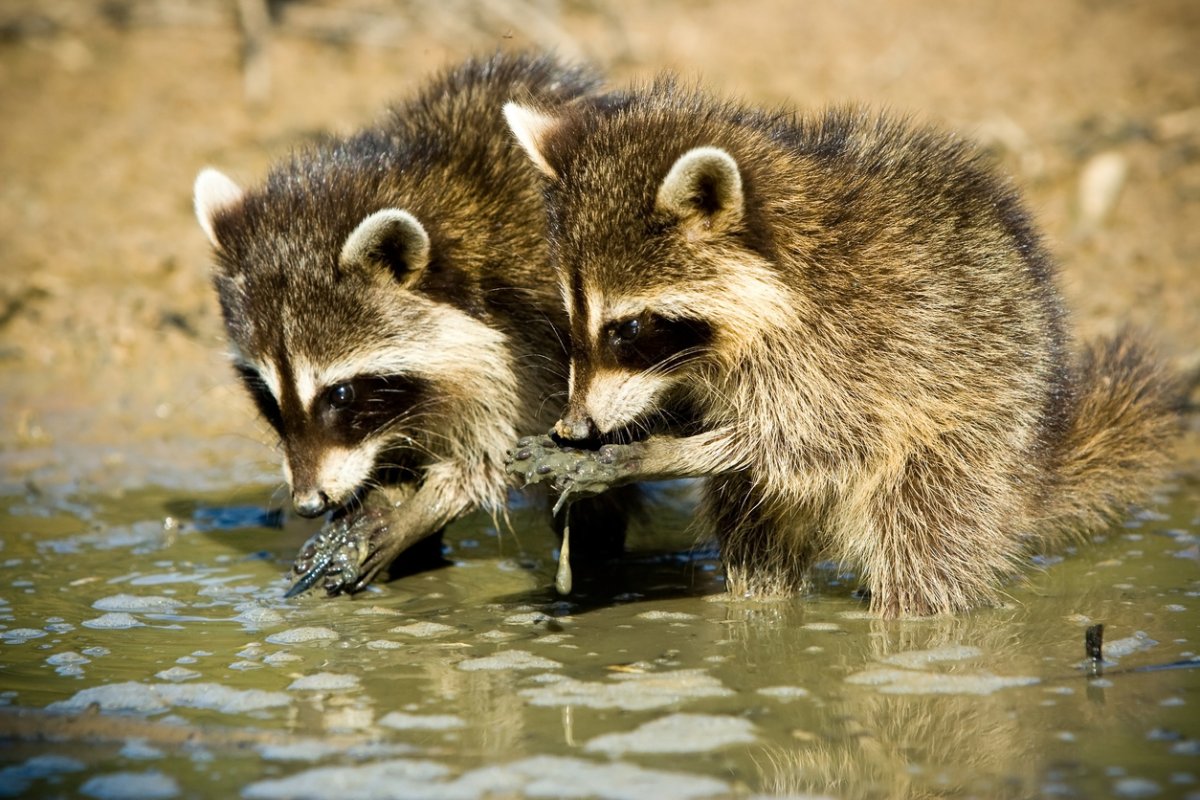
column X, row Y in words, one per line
column 850, row 326
column 388, row 302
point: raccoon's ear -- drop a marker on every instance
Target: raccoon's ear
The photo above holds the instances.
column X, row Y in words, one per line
column 213, row 193
column 703, row 186
column 531, row 128
column 391, row 239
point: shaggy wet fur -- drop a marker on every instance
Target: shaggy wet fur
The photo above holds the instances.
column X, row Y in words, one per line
column 884, row 376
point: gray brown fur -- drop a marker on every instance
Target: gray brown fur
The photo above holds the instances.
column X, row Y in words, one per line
column 469, row 349
column 873, row 361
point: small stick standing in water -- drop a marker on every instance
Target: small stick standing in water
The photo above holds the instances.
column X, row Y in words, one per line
column 1093, row 642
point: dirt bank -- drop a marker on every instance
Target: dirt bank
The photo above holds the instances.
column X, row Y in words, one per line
column 111, row 373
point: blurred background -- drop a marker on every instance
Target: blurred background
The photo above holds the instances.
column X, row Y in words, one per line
column 111, row 367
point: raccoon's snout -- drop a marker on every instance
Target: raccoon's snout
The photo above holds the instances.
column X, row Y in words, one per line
column 575, row 428
column 311, row 503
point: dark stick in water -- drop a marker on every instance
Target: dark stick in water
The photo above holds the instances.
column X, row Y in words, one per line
column 1093, row 643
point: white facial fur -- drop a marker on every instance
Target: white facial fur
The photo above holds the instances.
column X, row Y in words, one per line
column 342, row 470
column 617, row 398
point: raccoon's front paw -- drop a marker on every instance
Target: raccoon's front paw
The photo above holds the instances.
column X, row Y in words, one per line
column 346, row 554
column 573, row 472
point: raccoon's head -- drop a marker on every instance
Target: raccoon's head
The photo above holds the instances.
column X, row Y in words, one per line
column 347, row 361
column 655, row 266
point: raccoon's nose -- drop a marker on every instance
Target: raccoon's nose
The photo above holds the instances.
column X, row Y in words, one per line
column 311, row 503
column 575, row 429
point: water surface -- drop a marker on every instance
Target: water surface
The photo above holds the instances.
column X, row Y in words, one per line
column 147, row 634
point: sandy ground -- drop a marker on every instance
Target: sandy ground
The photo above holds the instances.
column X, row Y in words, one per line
column 111, row 366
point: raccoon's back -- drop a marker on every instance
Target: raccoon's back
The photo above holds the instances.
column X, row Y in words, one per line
column 462, row 108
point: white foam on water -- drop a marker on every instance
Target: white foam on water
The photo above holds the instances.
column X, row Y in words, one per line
column 68, row 657
column 131, row 786
column 315, row 749
column 139, row 750
column 1119, row 648
column 783, row 692
column 384, row 644
column 325, row 682
column 259, row 617
column 282, row 657
column 915, row 659
column 1136, row 787
column 115, row 620
column 155, row 698
column 537, row 777
column 527, row 618
column 904, row 681
column 377, row 611
column 137, row 603
column 677, row 733
column 429, row 722
column 15, row 780
column 21, row 635
column 304, row 635
column 508, row 659
column 423, row 630
column 629, row 691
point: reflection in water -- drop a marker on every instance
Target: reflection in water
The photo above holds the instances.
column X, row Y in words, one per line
column 883, row 746
column 480, row 672
column 496, row 717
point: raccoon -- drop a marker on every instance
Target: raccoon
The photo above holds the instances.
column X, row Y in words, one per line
column 849, row 324
column 390, row 307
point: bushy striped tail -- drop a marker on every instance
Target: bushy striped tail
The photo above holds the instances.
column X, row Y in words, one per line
column 1123, row 424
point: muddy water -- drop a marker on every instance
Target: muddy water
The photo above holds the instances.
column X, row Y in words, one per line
column 149, row 637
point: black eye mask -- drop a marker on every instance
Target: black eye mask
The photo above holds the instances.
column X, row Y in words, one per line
column 648, row 340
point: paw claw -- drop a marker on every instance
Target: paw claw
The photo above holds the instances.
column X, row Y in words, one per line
column 339, row 554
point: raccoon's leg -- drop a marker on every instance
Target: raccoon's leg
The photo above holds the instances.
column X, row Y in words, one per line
column 712, row 452
column 421, row 556
column 763, row 553
column 581, row 473
column 934, row 536
column 360, row 546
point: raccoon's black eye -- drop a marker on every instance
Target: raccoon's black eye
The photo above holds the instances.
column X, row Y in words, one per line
column 627, row 331
column 650, row 340
column 341, row 395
